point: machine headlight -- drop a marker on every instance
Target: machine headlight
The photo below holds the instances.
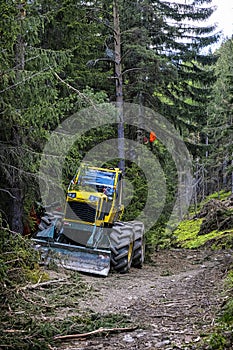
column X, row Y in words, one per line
column 71, row 194
column 93, row 198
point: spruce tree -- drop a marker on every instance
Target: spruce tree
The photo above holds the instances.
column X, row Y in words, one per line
column 220, row 122
column 29, row 103
column 163, row 66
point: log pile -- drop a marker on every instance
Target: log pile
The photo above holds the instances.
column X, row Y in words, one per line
column 217, row 215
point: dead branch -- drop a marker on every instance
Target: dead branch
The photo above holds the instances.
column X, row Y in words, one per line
column 42, row 284
column 97, row 331
column 81, row 94
column 8, row 192
column 131, row 70
column 36, row 303
column 13, row 232
column 165, row 315
column 13, row 260
column 70, row 86
column 13, row 331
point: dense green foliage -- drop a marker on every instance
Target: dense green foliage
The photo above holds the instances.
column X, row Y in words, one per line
column 30, row 104
column 219, row 128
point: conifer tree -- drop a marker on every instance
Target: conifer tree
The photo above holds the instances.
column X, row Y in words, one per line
column 220, row 122
column 162, row 62
column 29, row 103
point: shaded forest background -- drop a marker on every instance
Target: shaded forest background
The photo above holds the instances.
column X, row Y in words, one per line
column 57, row 57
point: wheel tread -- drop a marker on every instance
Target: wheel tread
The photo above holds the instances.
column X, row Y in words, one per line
column 121, row 237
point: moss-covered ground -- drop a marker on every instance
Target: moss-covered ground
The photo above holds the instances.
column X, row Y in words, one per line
column 187, row 234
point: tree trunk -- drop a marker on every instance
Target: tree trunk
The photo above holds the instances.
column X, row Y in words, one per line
column 16, row 181
column 119, row 84
column 232, row 175
column 16, row 222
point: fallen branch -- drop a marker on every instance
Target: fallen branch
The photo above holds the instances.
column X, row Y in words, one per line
column 11, row 195
column 165, row 315
column 97, row 331
column 35, row 303
column 42, row 284
column 13, row 331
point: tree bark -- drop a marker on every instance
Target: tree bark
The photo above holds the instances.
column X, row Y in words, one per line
column 119, row 84
column 16, row 181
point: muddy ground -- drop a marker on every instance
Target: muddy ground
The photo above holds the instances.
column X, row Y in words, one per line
column 172, row 302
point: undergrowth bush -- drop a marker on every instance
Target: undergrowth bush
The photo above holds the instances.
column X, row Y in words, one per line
column 18, row 261
column 35, row 307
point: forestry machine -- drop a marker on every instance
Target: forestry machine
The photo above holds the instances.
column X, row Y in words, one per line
column 88, row 236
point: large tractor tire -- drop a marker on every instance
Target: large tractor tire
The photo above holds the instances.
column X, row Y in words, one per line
column 138, row 253
column 122, row 242
column 139, row 245
column 51, row 219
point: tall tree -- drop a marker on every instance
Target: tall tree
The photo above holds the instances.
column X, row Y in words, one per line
column 220, row 122
column 162, row 62
column 29, row 104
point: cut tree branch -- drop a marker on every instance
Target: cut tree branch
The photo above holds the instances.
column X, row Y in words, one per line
column 43, row 284
column 97, row 331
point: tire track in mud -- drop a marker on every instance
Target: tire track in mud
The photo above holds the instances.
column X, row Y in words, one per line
column 173, row 301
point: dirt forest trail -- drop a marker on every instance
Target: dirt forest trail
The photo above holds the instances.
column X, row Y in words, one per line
column 172, row 302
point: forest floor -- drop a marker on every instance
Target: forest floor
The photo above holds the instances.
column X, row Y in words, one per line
column 172, row 303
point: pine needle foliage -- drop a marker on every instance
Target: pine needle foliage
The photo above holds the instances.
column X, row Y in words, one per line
column 35, row 307
column 220, row 117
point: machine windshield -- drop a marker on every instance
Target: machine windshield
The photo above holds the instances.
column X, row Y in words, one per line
column 94, row 180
